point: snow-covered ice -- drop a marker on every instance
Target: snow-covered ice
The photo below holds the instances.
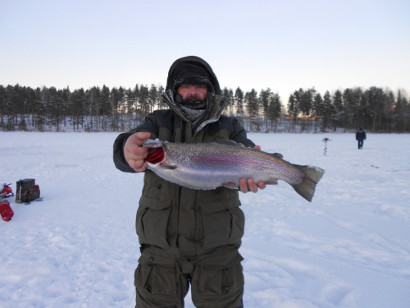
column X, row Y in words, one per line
column 350, row 247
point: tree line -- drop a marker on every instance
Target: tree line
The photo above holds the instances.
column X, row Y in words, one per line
column 100, row 109
column 375, row 109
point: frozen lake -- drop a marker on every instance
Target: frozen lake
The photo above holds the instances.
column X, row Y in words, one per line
column 350, row 247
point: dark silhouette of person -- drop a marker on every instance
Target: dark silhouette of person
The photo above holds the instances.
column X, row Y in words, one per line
column 360, row 137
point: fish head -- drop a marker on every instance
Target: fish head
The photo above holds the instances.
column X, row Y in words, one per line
column 156, row 152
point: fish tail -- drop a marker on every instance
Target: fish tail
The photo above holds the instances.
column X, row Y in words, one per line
column 312, row 176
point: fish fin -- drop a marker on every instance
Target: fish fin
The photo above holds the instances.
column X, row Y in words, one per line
column 167, row 166
column 277, row 155
column 227, row 142
column 312, row 176
column 230, row 185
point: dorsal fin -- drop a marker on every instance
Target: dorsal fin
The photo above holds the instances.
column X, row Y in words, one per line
column 227, row 142
column 277, row 155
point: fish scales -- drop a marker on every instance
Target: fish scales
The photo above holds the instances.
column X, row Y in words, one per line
column 206, row 166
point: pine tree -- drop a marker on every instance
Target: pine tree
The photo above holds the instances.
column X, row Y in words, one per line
column 328, row 111
column 152, row 97
column 318, row 109
column 293, row 110
column 274, row 110
column 339, row 109
column 239, row 100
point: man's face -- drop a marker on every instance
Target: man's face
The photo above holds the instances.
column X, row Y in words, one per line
column 193, row 92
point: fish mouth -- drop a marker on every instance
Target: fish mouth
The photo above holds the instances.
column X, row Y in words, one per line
column 156, row 156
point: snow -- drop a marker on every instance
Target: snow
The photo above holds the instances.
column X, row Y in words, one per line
column 350, row 247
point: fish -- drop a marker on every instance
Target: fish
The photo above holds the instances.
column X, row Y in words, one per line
column 207, row 166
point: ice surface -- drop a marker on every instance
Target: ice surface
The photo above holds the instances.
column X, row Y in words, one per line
column 350, row 247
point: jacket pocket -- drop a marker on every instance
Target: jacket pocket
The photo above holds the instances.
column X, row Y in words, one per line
column 155, row 279
column 152, row 221
column 222, row 219
column 223, row 279
column 153, row 214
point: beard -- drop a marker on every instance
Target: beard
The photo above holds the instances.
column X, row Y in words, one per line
column 192, row 98
column 192, row 102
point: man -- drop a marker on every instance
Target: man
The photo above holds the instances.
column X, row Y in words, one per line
column 187, row 237
column 360, row 137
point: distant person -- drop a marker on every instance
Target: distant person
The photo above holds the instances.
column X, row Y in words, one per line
column 360, row 137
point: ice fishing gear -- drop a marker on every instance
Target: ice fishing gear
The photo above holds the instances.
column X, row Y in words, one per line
column 6, row 191
column 27, row 191
column 5, row 210
column 325, row 140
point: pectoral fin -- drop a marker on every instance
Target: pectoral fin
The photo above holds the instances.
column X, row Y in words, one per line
column 168, row 167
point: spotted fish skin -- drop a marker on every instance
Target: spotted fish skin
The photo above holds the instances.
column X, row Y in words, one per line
column 206, row 166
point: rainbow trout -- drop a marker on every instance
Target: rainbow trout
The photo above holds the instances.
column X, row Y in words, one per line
column 206, row 166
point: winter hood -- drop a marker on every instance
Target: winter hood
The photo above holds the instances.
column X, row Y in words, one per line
column 192, row 68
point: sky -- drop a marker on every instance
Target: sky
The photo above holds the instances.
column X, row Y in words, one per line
column 259, row 44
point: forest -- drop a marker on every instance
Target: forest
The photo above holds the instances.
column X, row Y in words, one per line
column 101, row 109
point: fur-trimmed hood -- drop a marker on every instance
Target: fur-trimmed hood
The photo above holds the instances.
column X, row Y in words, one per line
column 196, row 61
column 216, row 103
